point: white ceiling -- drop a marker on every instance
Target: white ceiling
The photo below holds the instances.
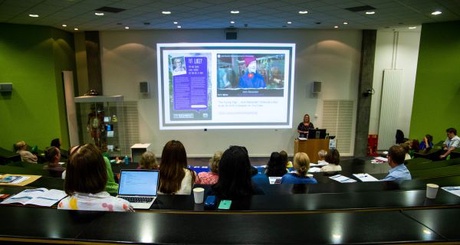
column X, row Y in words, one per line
column 215, row 14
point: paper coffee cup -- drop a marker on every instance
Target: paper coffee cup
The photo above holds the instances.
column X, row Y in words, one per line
column 431, row 190
column 198, row 194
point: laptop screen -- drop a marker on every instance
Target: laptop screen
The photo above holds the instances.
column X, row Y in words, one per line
column 317, row 133
column 138, row 182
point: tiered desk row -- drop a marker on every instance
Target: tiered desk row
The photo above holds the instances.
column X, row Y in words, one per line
column 329, row 212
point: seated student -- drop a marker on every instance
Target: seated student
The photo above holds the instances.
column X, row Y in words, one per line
column 85, row 182
column 398, row 171
column 406, row 148
column 52, row 156
column 322, row 156
column 175, row 177
column 275, row 166
column 452, row 141
column 211, row 177
column 235, row 175
column 284, row 159
column 57, row 143
column 333, row 160
column 111, row 185
column 427, row 143
column 26, row 156
column 148, row 161
column 301, row 165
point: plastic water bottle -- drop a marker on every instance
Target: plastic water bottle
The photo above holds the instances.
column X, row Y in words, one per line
column 126, row 160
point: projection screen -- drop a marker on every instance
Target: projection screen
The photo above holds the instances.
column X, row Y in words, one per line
column 225, row 85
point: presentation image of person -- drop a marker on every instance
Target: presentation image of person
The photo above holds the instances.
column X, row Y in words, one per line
column 251, row 78
column 304, row 126
column 398, row 171
column 452, row 141
column 178, row 66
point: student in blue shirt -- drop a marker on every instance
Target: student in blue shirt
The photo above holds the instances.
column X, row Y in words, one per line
column 398, row 171
column 301, row 165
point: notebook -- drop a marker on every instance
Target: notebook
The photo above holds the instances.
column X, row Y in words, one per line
column 139, row 187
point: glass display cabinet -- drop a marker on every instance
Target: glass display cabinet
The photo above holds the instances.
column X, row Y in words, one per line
column 101, row 121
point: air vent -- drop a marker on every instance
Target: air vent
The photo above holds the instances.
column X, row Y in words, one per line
column 361, row 8
column 110, row 10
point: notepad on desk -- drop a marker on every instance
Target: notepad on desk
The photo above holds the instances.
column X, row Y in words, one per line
column 452, row 189
column 38, row 197
column 364, row 177
column 342, row 179
column 17, row 179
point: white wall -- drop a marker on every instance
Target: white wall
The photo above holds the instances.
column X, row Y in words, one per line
column 329, row 56
column 395, row 49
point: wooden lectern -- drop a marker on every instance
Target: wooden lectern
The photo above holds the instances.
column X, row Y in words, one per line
column 311, row 147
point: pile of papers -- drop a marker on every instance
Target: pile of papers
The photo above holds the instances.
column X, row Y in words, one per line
column 342, row 179
column 378, row 160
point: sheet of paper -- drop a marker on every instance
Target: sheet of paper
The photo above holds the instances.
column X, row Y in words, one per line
column 319, row 164
column 342, row 179
column 274, row 180
column 365, row 177
column 452, row 189
column 314, row 170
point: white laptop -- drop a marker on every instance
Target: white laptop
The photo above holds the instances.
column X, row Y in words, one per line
column 139, row 187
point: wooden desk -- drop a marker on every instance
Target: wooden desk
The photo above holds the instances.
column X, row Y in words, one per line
column 311, row 147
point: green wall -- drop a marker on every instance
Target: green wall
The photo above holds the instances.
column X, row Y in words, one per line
column 436, row 104
column 32, row 58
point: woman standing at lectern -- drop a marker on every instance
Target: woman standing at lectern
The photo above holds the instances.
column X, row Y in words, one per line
column 305, row 126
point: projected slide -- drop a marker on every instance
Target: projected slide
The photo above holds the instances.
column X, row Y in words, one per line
column 225, row 85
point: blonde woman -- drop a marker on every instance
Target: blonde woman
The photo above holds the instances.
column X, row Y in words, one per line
column 211, row 177
column 301, row 166
column 26, row 156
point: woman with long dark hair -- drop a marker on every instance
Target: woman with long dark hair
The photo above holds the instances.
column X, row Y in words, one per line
column 175, row 177
column 235, row 175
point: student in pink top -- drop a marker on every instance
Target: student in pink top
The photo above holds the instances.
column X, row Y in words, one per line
column 211, row 177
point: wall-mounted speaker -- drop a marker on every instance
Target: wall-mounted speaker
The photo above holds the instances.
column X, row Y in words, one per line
column 316, row 87
column 6, row 87
column 144, row 88
column 231, row 34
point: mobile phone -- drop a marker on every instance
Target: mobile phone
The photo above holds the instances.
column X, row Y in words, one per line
column 225, row 204
column 210, row 201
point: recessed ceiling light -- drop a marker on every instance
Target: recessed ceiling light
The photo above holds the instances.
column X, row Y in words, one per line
column 345, row 23
column 303, row 12
column 99, row 14
column 370, row 12
column 179, row 27
column 75, row 29
column 437, row 12
column 232, row 22
column 166, row 12
column 412, row 27
column 34, row 15
column 336, row 27
column 127, row 27
column 175, row 22
column 234, row 12
column 64, row 25
column 289, row 22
